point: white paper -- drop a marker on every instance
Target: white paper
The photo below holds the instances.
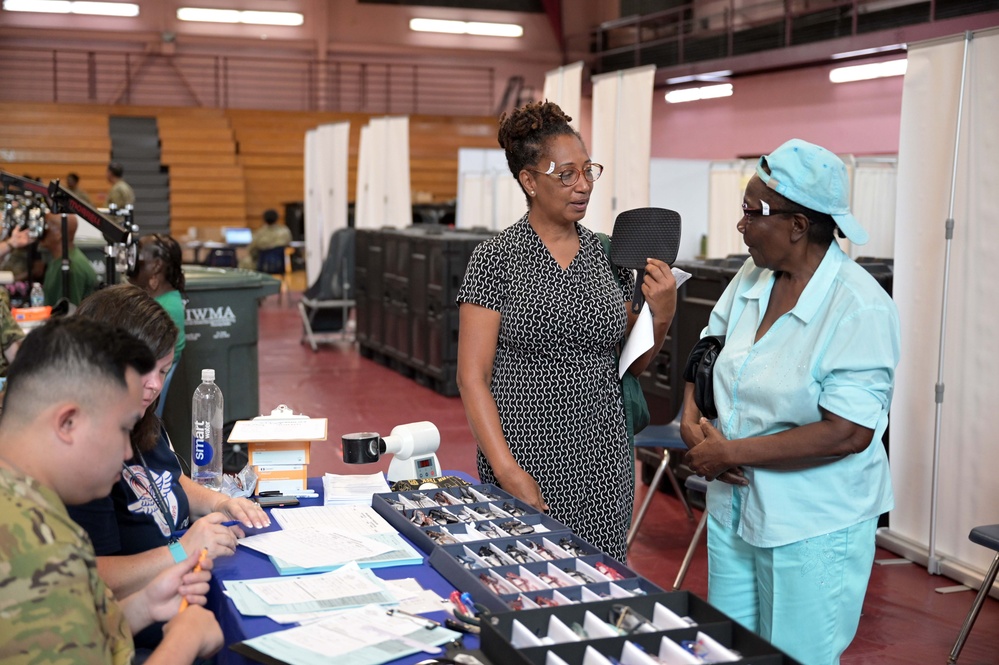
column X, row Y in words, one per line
column 283, row 429
column 558, row 632
column 666, row 619
column 352, row 489
column 521, row 637
column 358, row 520
column 314, row 548
column 339, row 584
column 339, row 635
column 642, row 335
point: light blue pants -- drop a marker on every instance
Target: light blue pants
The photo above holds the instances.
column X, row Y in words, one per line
column 805, row 597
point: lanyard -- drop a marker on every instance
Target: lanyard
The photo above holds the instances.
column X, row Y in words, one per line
column 154, row 491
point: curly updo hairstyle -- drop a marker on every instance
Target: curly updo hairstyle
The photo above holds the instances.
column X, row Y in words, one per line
column 525, row 133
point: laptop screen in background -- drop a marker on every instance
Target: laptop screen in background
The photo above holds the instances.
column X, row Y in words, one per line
column 237, row 235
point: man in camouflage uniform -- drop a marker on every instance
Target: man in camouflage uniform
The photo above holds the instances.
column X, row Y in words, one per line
column 74, row 393
column 272, row 234
column 10, row 333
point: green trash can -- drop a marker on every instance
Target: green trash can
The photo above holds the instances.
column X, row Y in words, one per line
column 221, row 328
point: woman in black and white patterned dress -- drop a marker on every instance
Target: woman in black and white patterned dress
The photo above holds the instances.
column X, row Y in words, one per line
column 541, row 315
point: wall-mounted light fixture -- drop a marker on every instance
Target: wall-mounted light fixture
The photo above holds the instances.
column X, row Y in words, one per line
column 466, row 27
column 205, row 15
column 695, row 94
column 126, row 9
column 872, row 70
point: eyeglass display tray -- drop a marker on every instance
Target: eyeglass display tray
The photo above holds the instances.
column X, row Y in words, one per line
column 419, row 535
column 462, row 566
column 497, row 637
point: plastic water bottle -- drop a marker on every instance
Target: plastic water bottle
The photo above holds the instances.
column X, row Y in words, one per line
column 37, row 295
column 206, row 432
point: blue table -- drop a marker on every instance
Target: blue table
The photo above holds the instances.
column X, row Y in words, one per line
column 249, row 564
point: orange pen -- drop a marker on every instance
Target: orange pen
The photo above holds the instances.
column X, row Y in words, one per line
column 197, row 569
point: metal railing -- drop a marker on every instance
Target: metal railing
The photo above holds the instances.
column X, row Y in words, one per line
column 708, row 30
column 149, row 79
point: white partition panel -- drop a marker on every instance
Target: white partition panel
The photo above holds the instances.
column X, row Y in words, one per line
column 326, row 149
column 682, row 185
column 488, row 195
column 968, row 494
column 383, row 195
column 728, row 182
column 564, row 86
column 622, row 130
column 873, row 203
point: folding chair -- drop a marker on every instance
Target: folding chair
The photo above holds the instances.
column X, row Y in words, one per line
column 332, row 291
column 986, row 536
column 694, row 484
column 668, row 438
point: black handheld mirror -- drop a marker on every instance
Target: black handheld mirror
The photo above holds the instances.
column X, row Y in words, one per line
column 643, row 233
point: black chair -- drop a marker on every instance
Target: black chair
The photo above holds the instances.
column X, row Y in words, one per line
column 986, row 536
column 276, row 261
column 221, row 257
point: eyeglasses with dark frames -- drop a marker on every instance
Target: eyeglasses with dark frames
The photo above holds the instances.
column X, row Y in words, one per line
column 749, row 214
column 570, row 176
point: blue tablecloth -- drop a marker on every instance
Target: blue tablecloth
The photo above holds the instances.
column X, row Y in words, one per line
column 249, row 564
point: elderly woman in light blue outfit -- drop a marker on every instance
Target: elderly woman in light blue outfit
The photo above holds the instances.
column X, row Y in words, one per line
column 802, row 388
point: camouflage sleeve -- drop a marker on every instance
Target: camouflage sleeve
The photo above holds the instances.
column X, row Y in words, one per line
column 55, row 607
column 10, row 333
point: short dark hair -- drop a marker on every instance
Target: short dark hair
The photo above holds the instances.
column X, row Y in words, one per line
column 72, row 354
column 116, row 169
column 72, row 178
column 270, row 216
column 525, row 133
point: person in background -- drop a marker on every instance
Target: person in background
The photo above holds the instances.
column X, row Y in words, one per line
column 121, row 193
column 156, row 515
column 541, row 315
column 802, row 387
column 161, row 274
column 13, row 253
column 73, row 186
column 272, row 234
column 73, row 394
column 82, row 278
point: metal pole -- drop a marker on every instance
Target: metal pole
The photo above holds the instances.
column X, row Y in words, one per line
column 932, row 561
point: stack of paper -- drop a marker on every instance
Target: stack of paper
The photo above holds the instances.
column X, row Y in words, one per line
column 321, row 538
column 346, row 490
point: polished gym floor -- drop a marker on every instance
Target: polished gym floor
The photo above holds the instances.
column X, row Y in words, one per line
column 904, row 622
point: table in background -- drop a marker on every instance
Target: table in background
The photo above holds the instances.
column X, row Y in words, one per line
column 249, row 564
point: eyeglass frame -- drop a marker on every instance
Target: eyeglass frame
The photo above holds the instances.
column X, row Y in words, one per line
column 747, row 212
column 572, row 169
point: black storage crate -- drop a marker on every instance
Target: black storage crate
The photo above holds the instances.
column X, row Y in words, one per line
column 407, row 282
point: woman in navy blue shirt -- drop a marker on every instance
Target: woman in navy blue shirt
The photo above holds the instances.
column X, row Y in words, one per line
column 156, row 514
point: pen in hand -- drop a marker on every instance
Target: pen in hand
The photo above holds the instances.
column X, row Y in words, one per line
column 197, row 569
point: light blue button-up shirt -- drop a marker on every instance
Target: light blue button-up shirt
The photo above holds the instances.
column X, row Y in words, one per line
column 836, row 349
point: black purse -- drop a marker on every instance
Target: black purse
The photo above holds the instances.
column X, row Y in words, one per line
column 699, row 370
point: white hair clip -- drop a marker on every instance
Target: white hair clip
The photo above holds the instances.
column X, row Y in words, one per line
column 551, row 169
column 765, row 207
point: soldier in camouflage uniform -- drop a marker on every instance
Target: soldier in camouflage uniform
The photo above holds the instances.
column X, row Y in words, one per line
column 10, row 333
column 272, row 234
column 74, row 393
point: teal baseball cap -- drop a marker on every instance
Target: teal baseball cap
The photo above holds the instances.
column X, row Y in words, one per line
column 813, row 177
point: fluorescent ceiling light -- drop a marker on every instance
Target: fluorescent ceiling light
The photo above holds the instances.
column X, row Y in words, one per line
column 720, row 75
column 695, row 94
column 466, row 27
column 205, row 15
column 870, row 71
column 869, row 51
column 126, row 9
